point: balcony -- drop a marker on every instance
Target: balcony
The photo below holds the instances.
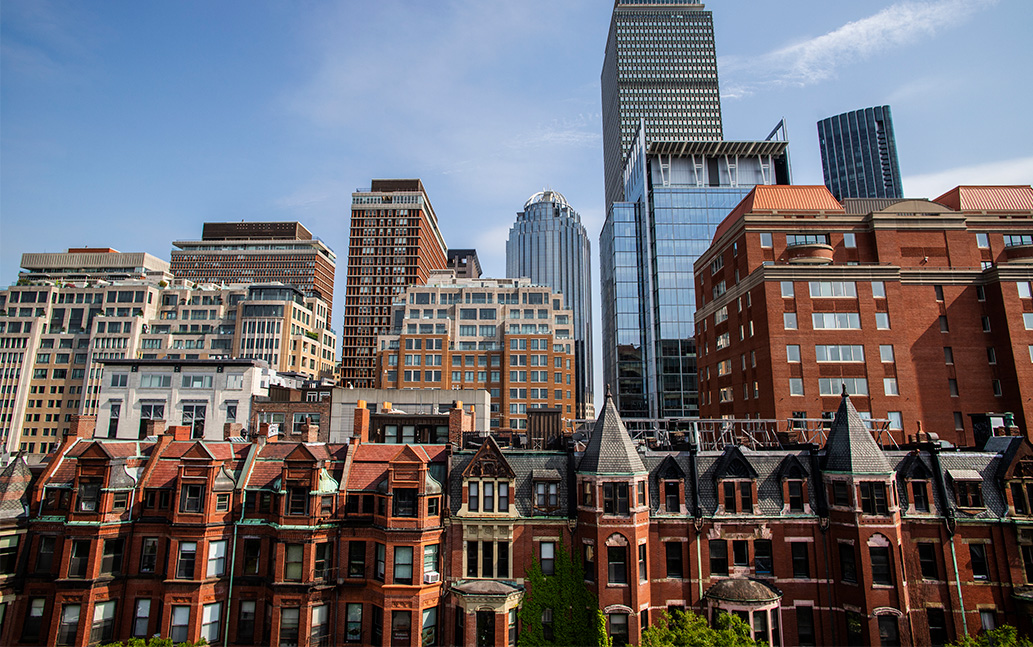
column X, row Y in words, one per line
column 809, row 254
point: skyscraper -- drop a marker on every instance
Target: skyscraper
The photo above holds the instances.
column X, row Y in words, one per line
column 395, row 243
column 859, row 154
column 660, row 66
column 259, row 252
column 548, row 245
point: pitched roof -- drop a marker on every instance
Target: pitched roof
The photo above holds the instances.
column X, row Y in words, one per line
column 765, row 198
column 850, row 447
column 610, row 450
column 989, row 198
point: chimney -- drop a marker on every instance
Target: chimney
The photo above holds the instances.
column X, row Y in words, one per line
column 231, row 430
column 154, row 427
column 360, row 428
column 82, row 426
column 385, row 407
column 309, row 433
column 179, row 432
column 455, row 425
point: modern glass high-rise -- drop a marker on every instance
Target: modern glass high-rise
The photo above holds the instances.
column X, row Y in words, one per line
column 676, row 194
column 548, row 245
column 859, row 154
column 660, row 66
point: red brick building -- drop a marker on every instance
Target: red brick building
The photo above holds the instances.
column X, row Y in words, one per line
column 923, row 309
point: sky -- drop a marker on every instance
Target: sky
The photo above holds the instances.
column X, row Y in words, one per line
column 128, row 124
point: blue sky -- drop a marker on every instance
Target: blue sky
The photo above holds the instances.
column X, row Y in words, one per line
column 129, row 124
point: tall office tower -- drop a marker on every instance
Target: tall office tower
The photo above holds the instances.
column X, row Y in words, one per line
column 548, row 245
column 395, row 242
column 507, row 336
column 660, row 66
column 676, row 195
column 259, row 252
column 859, row 154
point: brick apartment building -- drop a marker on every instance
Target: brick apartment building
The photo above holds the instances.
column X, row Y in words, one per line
column 275, row 542
column 921, row 308
column 259, row 252
column 508, row 336
column 394, row 243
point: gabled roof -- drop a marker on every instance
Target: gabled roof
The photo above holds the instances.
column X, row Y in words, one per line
column 850, row 447
column 610, row 450
column 913, row 467
column 791, row 468
column 670, row 470
column 733, row 464
column 989, row 198
column 489, row 461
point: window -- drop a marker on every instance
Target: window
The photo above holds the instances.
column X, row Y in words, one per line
column 873, row 498
column 986, row 323
column 290, row 622
column 643, row 572
column 293, row 556
column 889, row 386
column 141, row 618
column 927, row 560
column 849, row 240
column 252, row 554
column 149, row 555
column 740, row 552
column 718, row 557
column 882, row 320
column 882, row 568
column 878, row 289
column 89, row 496
column 503, row 497
column 547, row 550
column 980, row 564
column 617, row 564
column 796, row 386
column 111, row 560
column 807, row 239
column 673, row 553
column 44, row 555
column 787, row 288
column 615, row 498
column 805, row 626
column 919, row 496
column 404, row 502
column 196, row 382
column 937, row 621
column 765, row 239
column 795, row 491
column 833, row 289
column 952, row 386
column 117, row 380
column 319, row 631
column 672, row 498
column 191, row 498
column 847, row 564
column 996, row 385
column 103, row 628
column 789, row 320
column 473, row 496
column 619, row 629
column 546, row 495
column 763, row 564
column 380, row 561
column 216, row 559
column 983, row 241
column 353, row 622
column 187, row 559
column 210, row 615
column 69, row 625
column 944, row 327
column 431, row 559
column 79, row 559
column 889, row 632
column 403, row 565
column 356, row 559
column 193, row 417
column 969, row 494
column 179, row 624
column 836, row 320
column 547, row 628
column 801, row 561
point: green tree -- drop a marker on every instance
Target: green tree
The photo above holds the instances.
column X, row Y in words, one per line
column 154, row 641
column 686, row 629
column 1003, row 636
column 576, row 619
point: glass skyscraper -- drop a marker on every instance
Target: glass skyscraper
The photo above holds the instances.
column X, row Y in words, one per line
column 859, row 154
column 548, row 245
column 660, row 66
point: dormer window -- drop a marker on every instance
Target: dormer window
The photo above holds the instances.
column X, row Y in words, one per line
column 794, row 490
column 738, row 497
column 920, row 495
column 546, row 495
column 191, row 497
column 841, row 494
column 615, row 498
column 672, row 496
column 297, row 500
column 969, row 493
column 89, row 495
column 873, row 498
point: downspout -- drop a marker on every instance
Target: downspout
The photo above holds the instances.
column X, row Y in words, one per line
column 697, row 509
column 950, row 523
column 244, row 477
column 822, row 510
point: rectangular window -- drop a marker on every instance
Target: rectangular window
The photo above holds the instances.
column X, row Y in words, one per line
column 672, row 499
column 878, row 290
column 882, row 567
column 216, row 566
column 617, row 564
column 718, row 557
column 79, row 559
column 873, row 498
column 836, row 320
column 473, row 497
column 792, row 353
column 403, row 565
column 179, row 624
column 210, row 616
column 290, row 622
column 787, row 288
column 356, row 559
column 969, row 494
column 615, row 498
column 191, row 498
column 795, row 491
column 833, row 289
column 789, row 320
column 740, row 552
column 353, row 622
column 763, row 564
column 920, row 496
column 889, row 386
column 886, row 353
column 673, row 553
column 103, row 627
column 927, row 560
column 796, row 386
column 847, row 563
column 643, row 572
column 141, row 618
column 801, row 561
column 849, row 240
column 44, row 555
column 111, row 560
column 293, row 556
column 69, row 624
column 805, row 626
column 980, row 564
column 619, row 629
column 548, row 557
column 380, row 561
column 319, row 631
column 937, row 621
column 187, row 559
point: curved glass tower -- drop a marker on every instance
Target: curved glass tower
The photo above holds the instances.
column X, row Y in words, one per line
column 548, row 245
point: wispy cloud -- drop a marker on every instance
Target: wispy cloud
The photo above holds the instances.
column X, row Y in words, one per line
column 931, row 185
column 817, row 59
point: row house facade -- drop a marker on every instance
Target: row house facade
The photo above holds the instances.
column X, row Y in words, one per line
column 55, row 336
column 508, row 336
column 922, row 308
column 392, row 541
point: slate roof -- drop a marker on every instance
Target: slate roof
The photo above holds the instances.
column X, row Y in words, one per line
column 610, row 450
column 525, row 464
column 14, row 485
column 850, row 447
column 768, row 466
column 741, row 589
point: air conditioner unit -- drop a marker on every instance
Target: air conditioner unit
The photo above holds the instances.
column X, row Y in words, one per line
column 431, row 578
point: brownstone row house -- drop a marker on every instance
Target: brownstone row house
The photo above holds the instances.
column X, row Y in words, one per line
column 425, row 541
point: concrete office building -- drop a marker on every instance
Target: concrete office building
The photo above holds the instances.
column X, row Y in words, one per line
column 922, row 309
column 508, row 336
column 859, row 154
column 259, row 252
column 660, row 65
column 395, row 242
column 677, row 194
column 548, row 245
column 96, row 263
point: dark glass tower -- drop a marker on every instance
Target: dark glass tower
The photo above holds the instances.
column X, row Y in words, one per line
column 660, row 66
column 859, row 154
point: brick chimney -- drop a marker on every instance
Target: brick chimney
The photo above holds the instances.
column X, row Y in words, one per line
column 262, row 436
column 360, row 429
column 231, row 430
column 179, row 432
column 457, row 424
column 309, row 433
column 154, row 427
column 82, row 426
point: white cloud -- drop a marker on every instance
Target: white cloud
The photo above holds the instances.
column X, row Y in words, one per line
column 931, row 185
column 817, row 59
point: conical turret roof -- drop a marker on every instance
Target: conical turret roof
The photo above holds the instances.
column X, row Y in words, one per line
column 850, row 447
column 610, row 450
